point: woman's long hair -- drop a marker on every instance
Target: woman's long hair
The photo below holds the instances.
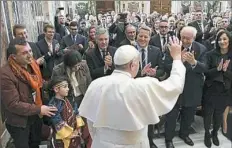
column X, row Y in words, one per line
column 218, row 48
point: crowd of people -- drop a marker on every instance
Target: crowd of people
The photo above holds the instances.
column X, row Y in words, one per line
column 72, row 86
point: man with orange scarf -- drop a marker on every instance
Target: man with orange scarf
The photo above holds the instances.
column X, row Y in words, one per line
column 21, row 84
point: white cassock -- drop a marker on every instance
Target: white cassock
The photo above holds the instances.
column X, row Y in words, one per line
column 119, row 108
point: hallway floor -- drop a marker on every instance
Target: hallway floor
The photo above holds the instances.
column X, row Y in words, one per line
column 198, row 137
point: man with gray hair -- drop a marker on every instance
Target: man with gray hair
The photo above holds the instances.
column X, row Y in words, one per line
column 119, row 108
column 193, row 57
column 99, row 59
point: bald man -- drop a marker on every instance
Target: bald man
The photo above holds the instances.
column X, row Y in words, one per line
column 193, row 57
column 119, row 108
column 130, row 32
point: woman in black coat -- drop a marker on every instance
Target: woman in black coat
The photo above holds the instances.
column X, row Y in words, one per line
column 217, row 89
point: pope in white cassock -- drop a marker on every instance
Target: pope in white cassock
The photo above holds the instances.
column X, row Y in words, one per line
column 118, row 108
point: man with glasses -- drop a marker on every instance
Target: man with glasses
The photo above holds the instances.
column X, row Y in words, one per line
column 199, row 24
column 159, row 40
column 74, row 40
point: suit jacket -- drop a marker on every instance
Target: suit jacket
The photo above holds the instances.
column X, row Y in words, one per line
column 36, row 52
column 17, row 100
column 67, row 42
column 199, row 30
column 56, row 37
column 96, row 63
column 125, row 42
column 118, row 29
column 155, row 41
column 82, row 75
column 155, row 58
column 194, row 80
column 50, row 61
column 61, row 30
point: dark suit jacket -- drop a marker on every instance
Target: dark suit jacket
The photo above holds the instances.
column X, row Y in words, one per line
column 96, row 63
column 36, row 52
column 56, row 37
column 194, row 81
column 50, row 61
column 155, row 41
column 61, row 30
column 119, row 29
column 16, row 97
column 125, row 42
column 199, row 30
column 67, row 42
column 155, row 58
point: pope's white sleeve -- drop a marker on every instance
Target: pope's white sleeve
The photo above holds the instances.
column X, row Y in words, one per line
column 91, row 128
column 162, row 96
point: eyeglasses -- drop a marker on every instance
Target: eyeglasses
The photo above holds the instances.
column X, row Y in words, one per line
column 73, row 29
column 165, row 27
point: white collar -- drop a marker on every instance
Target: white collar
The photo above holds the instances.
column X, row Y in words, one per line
column 190, row 47
column 140, row 48
column 123, row 72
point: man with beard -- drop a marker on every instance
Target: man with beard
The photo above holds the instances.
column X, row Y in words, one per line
column 21, row 83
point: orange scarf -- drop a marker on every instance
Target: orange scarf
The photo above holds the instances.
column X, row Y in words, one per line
column 34, row 80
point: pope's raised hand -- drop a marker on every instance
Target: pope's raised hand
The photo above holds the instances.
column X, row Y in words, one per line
column 175, row 48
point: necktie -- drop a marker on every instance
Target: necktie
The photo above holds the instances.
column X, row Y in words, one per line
column 74, row 39
column 164, row 40
column 103, row 54
column 143, row 58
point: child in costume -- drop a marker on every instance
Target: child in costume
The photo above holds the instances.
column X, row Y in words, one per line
column 66, row 122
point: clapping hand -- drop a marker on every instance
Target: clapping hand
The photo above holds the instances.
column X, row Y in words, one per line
column 220, row 66
column 190, row 58
column 147, row 70
column 225, row 65
column 80, row 46
column 152, row 71
column 108, row 60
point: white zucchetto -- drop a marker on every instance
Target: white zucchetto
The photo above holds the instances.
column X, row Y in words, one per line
column 124, row 54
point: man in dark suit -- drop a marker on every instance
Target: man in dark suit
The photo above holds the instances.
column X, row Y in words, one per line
column 130, row 32
column 74, row 39
column 194, row 61
column 150, row 56
column 118, row 28
column 160, row 39
column 56, row 37
column 199, row 24
column 49, row 49
column 100, row 58
column 61, row 28
column 20, row 30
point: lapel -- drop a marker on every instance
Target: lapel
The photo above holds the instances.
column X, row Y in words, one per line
column 158, row 40
column 99, row 56
column 150, row 57
column 196, row 50
column 198, row 27
column 69, row 40
column 44, row 47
